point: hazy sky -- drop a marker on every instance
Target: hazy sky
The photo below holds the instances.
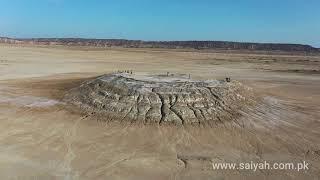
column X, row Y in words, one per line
column 288, row 21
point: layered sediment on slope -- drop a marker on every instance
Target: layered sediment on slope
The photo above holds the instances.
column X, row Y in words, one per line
column 161, row 99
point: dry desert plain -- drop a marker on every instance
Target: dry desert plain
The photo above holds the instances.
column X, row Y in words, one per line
column 42, row 139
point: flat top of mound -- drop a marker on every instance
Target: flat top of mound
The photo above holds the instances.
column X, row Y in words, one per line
column 150, row 83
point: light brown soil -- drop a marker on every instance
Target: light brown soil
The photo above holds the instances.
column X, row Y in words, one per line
column 41, row 139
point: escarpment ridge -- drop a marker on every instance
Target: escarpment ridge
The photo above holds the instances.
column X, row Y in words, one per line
column 219, row 45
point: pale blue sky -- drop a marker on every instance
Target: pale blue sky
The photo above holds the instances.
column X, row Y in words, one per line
column 287, row 21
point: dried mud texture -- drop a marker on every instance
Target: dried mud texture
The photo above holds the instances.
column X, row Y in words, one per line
column 161, row 99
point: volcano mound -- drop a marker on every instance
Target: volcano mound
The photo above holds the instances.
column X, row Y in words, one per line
column 161, row 99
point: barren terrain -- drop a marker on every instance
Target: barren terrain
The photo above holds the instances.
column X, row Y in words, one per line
column 42, row 139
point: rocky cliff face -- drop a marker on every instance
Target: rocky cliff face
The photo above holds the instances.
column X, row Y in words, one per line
column 225, row 45
column 9, row 40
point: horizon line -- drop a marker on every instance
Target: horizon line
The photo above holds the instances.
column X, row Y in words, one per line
column 87, row 38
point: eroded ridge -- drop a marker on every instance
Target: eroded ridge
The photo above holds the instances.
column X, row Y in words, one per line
column 161, row 99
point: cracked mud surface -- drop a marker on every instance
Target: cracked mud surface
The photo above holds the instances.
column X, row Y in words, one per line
column 161, row 99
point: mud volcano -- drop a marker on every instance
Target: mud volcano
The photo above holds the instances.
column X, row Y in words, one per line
column 161, row 99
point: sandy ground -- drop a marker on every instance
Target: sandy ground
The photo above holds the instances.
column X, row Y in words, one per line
column 41, row 139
